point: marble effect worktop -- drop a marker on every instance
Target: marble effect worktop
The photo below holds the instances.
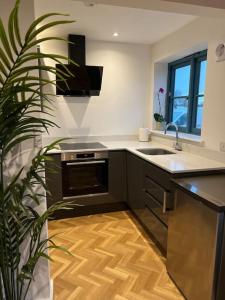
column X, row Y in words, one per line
column 178, row 163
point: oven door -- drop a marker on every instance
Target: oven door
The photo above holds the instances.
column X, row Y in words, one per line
column 84, row 177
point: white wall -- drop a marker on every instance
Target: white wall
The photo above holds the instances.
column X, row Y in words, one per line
column 159, row 78
column 198, row 35
column 121, row 107
column 40, row 288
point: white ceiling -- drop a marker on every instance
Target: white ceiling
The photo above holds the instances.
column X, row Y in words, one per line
column 210, row 3
column 173, row 6
column 101, row 21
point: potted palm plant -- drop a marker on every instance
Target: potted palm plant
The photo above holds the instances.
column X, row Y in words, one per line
column 21, row 120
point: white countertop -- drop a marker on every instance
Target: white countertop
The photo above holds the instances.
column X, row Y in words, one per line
column 174, row 163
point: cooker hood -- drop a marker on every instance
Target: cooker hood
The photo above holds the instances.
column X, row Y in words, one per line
column 87, row 80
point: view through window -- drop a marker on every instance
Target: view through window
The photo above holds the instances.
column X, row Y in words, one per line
column 186, row 91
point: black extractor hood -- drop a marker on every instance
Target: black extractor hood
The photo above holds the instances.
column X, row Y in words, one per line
column 87, row 80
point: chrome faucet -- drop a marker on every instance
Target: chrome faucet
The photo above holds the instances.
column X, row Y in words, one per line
column 177, row 145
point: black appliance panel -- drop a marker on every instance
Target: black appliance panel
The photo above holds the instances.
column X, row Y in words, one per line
column 81, row 146
column 84, row 177
column 87, row 81
column 77, row 49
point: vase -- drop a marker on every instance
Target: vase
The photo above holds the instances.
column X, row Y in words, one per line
column 160, row 126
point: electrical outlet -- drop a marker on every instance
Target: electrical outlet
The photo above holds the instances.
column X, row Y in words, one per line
column 222, row 146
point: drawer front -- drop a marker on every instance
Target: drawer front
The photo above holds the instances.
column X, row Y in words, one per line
column 159, row 209
column 154, row 189
column 158, row 175
column 157, row 228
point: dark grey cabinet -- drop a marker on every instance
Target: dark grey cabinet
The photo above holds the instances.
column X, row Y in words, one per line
column 53, row 177
column 117, row 175
column 112, row 200
column 158, row 191
column 135, row 196
column 150, row 197
column 132, row 181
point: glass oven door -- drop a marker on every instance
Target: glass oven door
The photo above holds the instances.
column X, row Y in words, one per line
column 84, row 177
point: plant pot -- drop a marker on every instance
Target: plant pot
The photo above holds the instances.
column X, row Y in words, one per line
column 160, row 126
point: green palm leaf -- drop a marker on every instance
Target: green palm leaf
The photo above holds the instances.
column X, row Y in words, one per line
column 39, row 20
column 36, row 32
column 5, row 42
column 11, row 28
column 40, row 41
column 4, row 59
column 21, row 119
column 16, row 24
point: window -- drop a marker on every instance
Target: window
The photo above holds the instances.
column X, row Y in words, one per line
column 186, row 89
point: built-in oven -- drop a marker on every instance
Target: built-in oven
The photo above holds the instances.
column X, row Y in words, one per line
column 84, row 173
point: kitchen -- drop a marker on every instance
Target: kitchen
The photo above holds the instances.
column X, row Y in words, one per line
column 112, row 119
column 148, row 220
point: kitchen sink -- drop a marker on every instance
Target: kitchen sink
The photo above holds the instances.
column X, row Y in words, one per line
column 155, row 151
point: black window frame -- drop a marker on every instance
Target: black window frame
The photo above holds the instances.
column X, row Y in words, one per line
column 194, row 61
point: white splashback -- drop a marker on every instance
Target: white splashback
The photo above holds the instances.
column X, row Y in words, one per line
column 121, row 107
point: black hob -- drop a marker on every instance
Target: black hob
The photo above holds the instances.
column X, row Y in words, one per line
column 81, row 146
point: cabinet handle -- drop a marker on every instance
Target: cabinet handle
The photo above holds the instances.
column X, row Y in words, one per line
column 86, row 163
column 165, row 197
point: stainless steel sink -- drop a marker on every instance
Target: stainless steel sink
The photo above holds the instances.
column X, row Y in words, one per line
column 155, row 151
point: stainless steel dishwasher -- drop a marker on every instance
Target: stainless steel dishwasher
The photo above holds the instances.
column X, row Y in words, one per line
column 193, row 237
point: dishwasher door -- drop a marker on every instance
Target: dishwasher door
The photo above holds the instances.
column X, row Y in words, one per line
column 192, row 247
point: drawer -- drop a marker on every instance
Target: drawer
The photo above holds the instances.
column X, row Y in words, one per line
column 158, row 175
column 159, row 209
column 154, row 189
column 155, row 226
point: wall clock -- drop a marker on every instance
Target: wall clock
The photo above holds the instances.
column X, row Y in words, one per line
column 220, row 52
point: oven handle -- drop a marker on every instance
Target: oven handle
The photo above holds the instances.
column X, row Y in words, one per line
column 86, row 163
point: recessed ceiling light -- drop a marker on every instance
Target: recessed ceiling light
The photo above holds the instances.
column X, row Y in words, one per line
column 115, row 34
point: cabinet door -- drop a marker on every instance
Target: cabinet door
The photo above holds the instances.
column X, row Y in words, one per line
column 53, row 177
column 135, row 199
column 117, row 175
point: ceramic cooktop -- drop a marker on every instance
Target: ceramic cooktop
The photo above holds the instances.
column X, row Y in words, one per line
column 81, row 146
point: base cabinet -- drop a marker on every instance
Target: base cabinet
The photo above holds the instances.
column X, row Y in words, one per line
column 135, row 195
column 132, row 181
column 149, row 197
column 117, row 176
column 53, row 178
column 155, row 227
column 114, row 199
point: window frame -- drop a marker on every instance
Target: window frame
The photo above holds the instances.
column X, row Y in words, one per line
column 194, row 61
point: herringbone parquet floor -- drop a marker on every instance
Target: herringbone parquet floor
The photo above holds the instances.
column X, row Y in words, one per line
column 112, row 260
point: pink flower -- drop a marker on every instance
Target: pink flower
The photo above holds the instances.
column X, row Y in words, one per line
column 161, row 91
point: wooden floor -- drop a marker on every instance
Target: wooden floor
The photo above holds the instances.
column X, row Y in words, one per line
column 112, row 260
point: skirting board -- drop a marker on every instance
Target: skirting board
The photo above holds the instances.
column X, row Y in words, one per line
column 51, row 289
column 51, row 292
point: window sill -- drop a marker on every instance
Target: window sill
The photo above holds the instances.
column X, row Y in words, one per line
column 183, row 137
